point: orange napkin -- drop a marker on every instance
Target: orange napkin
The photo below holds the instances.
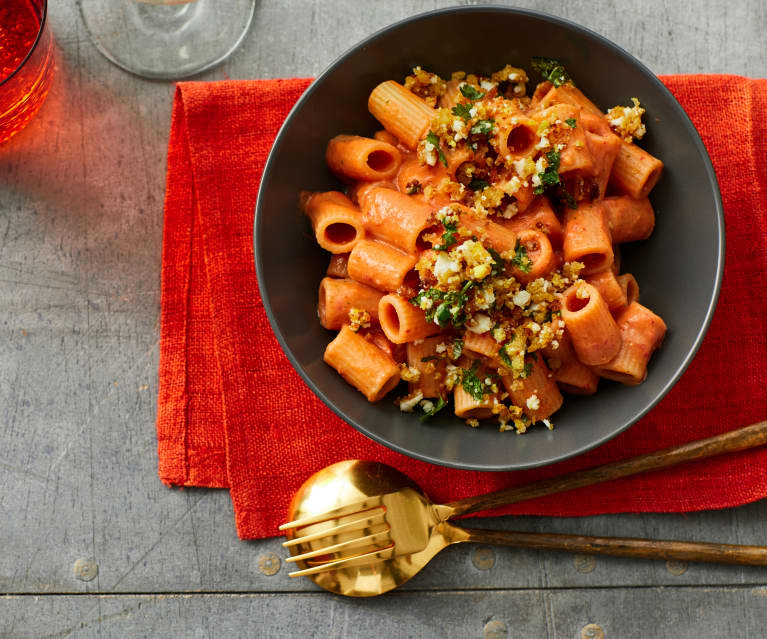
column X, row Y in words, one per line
column 233, row 413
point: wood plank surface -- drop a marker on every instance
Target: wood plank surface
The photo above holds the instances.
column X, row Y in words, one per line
column 81, row 194
column 632, row 613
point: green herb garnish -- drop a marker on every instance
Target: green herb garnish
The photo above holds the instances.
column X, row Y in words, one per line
column 471, row 383
column 468, row 91
column 571, row 122
column 450, row 307
column 569, row 199
column 438, row 406
column 552, row 70
column 413, row 187
column 430, row 358
column 431, row 293
column 504, row 356
column 528, row 370
column 462, row 111
column 483, row 127
column 520, row 259
column 498, row 262
column 443, row 314
column 433, row 139
column 478, row 185
column 448, row 237
column 457, row 348
column 550, row 175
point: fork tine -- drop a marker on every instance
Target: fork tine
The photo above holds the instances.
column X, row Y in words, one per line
column 368, row 540
column 356, row 560
column 350, row 526
column 349, row 509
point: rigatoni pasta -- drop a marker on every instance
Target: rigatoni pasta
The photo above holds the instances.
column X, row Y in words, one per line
column 476, row 247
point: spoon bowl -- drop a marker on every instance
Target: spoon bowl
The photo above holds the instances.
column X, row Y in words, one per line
column 352, row 481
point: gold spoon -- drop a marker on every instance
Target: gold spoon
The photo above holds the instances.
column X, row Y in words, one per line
column 364, row 507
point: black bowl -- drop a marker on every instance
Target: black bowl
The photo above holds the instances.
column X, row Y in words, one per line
column 679, row 268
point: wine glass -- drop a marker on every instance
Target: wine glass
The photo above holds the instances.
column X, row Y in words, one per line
column 167, row 39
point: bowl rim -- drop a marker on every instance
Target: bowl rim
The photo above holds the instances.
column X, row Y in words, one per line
column 696, row 141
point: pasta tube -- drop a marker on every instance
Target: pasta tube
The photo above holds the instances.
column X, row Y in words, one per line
column 628, row 219
column 337, row 224
column 587, row 239
column 337, row 297
column 402, row 322
column 357, row 158
column 642, row 331
column 402, row 113
column 380, row 266
column 594, row 333
column 362, row 364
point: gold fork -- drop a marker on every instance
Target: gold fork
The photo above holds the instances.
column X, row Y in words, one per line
column 358, row 514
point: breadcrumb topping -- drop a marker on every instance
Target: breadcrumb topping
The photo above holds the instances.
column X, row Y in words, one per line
column 358, row 318
column 626, row 122
column 465, row 286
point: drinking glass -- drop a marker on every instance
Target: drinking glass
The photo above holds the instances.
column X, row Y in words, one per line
column 26, row 62
column 167, row 39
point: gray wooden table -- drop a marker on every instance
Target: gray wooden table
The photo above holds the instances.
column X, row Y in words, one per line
column 93, row 545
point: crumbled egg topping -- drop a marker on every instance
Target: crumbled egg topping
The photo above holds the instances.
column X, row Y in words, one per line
column 409, row 373
column 409, row 402
column 428, row 86
column 358, row 318
column 626, row 122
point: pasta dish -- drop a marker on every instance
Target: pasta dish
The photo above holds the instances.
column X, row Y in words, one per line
column 475, row 246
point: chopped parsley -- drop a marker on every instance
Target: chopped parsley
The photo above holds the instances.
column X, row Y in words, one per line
column 520, row 259
column 550, row 175
column 457, row 348
column 471, row 383
column 483, row 127
column 432, row 138
column 450, row 307
column 438, row 406
column 569, row 199
column 430, row 358
column 478, row 185
column 462, row 111
column 571, row 122
column 552, row 70
column 498, row 262
column 413, row 187
column 448, row 237
column 468, row 91
column 504, row 356
column 528, row 370
column 432, row 294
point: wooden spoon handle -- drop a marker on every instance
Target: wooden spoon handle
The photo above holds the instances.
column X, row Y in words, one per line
column 741, row 439
column 626, row 547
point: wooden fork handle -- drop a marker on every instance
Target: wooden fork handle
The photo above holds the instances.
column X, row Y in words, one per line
column 740, row 439
column 626, row 547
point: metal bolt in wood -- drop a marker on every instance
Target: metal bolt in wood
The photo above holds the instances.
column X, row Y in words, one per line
column 483, row 558
column 584, row 564
column 676, row 567
column 592, row 631
column 495, row 629
column 268, row 564
column 85, row 569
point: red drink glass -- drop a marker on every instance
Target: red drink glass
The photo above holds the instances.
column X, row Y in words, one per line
column 26, row 62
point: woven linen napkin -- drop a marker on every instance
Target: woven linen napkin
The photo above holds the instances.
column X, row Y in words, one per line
column 233, row 413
